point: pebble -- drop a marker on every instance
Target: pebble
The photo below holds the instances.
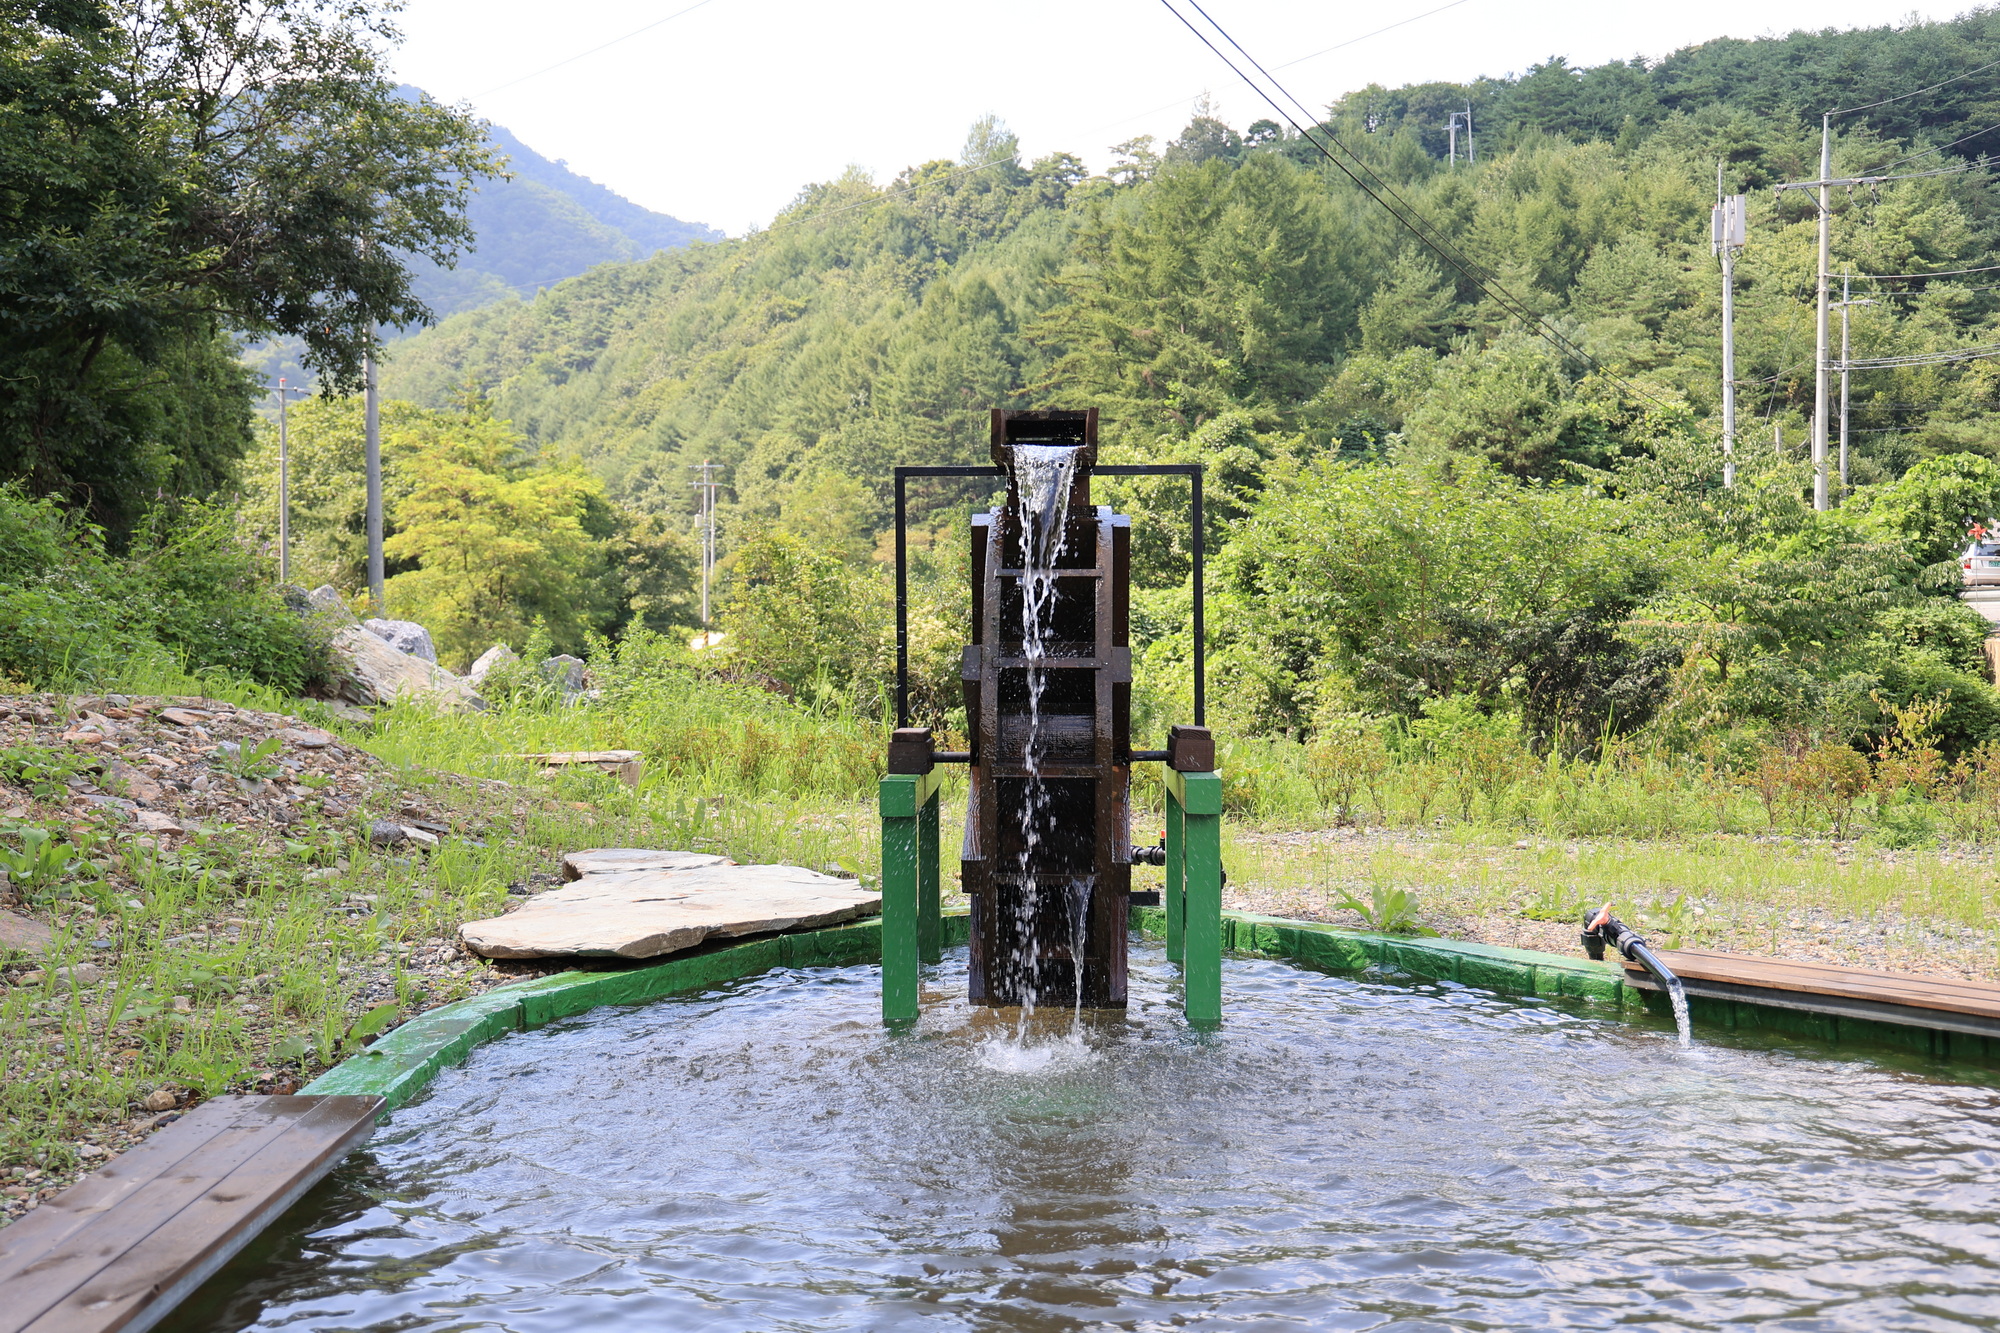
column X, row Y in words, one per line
column 385, row 834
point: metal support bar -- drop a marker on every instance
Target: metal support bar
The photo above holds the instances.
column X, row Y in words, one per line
column 910, row 924
column 1194, row 891
column 1192, row 471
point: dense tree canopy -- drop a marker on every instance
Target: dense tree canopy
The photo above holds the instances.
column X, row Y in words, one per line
column 172, row 173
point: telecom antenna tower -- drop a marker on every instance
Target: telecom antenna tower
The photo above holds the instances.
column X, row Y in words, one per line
column 707, row 486
column 1451, row 127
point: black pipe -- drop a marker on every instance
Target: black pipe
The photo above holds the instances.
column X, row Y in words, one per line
column 1601, row 928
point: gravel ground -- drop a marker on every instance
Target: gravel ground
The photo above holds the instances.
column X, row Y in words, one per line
column 163, row 777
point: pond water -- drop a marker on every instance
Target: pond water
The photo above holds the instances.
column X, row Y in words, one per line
column 1345, row 1154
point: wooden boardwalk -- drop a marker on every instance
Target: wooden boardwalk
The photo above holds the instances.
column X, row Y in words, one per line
column 1942, row 1003
column 123, row 1246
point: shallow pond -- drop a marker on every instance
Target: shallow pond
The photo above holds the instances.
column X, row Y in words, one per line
column 1344, row 1154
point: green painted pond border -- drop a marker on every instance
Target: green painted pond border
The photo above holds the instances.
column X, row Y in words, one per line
column 403, row 1063
column 1527, row 972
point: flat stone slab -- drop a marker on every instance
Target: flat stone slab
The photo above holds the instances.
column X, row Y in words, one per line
column 646, row 913
column 603, row 860
column 628, row 766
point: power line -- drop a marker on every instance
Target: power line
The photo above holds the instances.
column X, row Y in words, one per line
column 1926, row 152
column 1940, row 273
column 1979, row 353
column 1382, row 193
column 1902, row 97
column 1976, row 287
column 1168, row 106
column 1366, row 35
column 548, row 69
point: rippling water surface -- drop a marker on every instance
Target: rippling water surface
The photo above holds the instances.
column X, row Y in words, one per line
column 1344, row 1154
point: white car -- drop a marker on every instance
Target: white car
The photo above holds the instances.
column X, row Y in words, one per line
column 1980, row 565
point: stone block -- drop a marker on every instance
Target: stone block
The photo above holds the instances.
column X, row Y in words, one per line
column 606, row 860
column 646, row 913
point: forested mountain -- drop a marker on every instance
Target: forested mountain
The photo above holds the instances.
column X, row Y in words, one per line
column 536, row 226
column 1496, row 477
column 1239, row 273
column 545, row 224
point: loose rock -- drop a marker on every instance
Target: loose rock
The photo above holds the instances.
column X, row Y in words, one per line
column 608, row 860
column 21, row 934
column 405, row 636
column 489, row 659
column 327, row 603
column 375, row 672
column 565, row 671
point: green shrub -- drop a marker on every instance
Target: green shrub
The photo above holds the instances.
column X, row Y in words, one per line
column 71, row 613
column 53, row 633
column 213, row 600
column 1944, row 626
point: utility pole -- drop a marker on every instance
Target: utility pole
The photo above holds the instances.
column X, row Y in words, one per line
column 1846, row 300
column 707, row 486
column 1471, row 149
column 1824, row 185
column 284, row 487
column 1729, row 228
column 372, row 415
column 1825, row 298
column 1451, row 139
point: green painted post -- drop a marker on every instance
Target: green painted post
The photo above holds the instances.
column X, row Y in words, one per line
column 1173, row 892
column 900, row 896
column 929, row 926
column 1201, row 970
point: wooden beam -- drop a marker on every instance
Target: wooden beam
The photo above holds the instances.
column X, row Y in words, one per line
column 119, row 1249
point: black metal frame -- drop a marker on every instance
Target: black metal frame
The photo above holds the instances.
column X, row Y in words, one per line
column 1192, row 471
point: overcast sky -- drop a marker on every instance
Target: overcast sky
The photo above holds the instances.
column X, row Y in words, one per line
column 722, row 114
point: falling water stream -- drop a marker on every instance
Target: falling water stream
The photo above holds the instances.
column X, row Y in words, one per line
column 1043, row 478
column 1677, row 995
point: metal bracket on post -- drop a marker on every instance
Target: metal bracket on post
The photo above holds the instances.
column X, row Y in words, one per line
column 1194, row 874
column 911, row 929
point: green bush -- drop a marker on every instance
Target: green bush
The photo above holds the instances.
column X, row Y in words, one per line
column 71, row 613
column 212, row 600
column 1971, row 706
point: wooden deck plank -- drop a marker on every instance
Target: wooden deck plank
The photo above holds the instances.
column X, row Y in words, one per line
column 49, row 1225
column 123, row 1257
column 90, row 1240
column 1940, row 993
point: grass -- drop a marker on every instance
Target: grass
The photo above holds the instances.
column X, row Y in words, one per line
column 246, row 960
column 1773, row 895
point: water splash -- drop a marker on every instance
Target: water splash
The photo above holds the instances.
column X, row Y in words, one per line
column 1010, row 1054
